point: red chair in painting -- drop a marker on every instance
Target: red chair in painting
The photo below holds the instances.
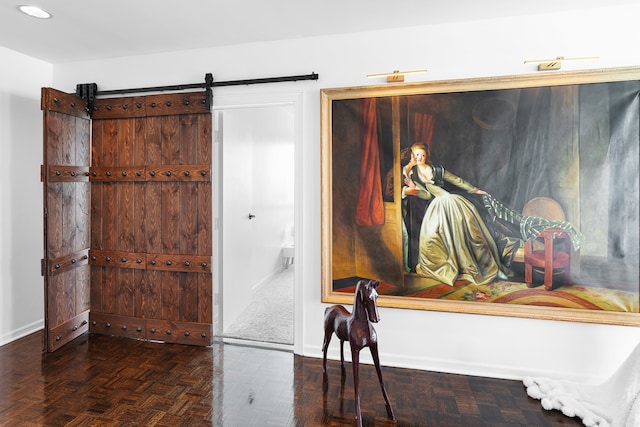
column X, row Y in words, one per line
column 543, row 253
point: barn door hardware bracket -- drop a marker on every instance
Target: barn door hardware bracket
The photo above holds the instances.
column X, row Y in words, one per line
column 89, row 91
column 208, row 80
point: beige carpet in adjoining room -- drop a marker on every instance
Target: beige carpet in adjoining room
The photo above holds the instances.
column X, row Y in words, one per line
column 269, row 316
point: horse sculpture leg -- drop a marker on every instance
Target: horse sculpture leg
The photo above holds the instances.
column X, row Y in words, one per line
column 335, row 321
column 376, row 361
column 325, row 346
column 355, row 359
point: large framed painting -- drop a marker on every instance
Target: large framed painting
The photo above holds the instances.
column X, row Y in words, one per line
column 513, row 196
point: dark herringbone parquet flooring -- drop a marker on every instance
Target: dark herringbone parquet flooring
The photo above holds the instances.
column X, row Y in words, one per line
column 106, row 381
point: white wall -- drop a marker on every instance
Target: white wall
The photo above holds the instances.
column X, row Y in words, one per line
column 21, row 294
column 472, row 344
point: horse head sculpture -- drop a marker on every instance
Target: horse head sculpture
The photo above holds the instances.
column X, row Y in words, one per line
column 367, row 293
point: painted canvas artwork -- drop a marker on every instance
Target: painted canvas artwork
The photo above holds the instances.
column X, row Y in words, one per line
column 515, row 196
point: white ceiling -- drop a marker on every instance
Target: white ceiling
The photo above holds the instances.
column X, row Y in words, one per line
column 96, row 29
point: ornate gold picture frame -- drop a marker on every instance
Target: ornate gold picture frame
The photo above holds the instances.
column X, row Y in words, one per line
column 526, row 205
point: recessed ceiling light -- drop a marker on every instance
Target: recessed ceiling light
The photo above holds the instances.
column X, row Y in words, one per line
column 35, row 11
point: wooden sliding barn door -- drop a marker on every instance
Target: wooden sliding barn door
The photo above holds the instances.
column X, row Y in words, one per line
column 127, row 218
column 65, row 177
column 151, row 240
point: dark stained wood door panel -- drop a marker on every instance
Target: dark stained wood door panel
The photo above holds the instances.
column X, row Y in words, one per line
column 151, row 236
column 128, row 215
column 66, row 199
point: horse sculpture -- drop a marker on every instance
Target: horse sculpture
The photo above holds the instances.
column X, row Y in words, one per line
column 358, row 330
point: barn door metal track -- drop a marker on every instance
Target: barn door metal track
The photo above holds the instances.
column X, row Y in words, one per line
column 89, row 91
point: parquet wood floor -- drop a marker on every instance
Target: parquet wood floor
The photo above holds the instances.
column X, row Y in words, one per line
column 105, row 381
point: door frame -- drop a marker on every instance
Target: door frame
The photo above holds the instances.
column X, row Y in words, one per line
column 243, row 101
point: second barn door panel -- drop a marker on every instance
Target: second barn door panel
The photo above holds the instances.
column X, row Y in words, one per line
column 151, row 241
column 65, row 169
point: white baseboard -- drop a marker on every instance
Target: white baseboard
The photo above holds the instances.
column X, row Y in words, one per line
column 21, row 332
column 440, row 365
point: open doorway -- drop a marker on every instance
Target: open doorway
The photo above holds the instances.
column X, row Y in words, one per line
column 256, row 225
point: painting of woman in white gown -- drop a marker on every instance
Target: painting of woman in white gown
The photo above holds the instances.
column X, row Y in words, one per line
column 454, row 242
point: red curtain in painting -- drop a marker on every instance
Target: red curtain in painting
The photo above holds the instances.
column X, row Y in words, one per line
column 423, row 128
column 370, row 208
